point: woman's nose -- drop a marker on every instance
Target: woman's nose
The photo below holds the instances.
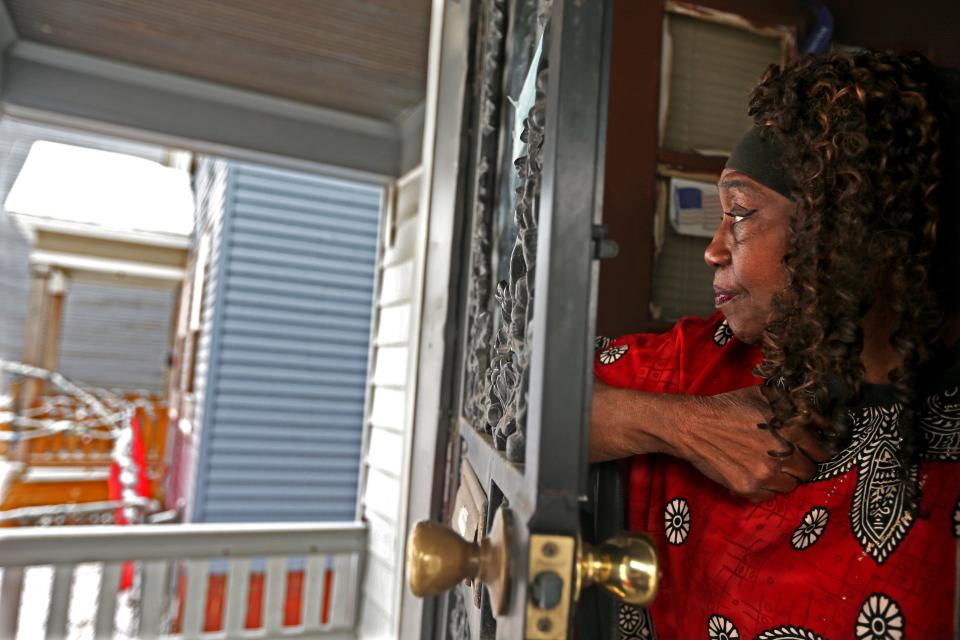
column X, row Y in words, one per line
column 717, row 254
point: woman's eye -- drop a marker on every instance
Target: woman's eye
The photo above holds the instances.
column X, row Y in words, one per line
column 739, row 215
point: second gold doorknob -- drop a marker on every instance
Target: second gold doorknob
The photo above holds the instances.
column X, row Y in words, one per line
column 625, row 567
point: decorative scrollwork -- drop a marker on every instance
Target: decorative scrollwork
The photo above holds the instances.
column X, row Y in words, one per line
column 481, row 323
column 497, row 376
column 507, row 377
column 544, row 9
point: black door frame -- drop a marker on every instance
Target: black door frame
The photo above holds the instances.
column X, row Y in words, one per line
column 554, row 476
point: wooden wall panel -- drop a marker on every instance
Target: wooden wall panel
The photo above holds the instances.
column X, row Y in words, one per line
column 928, row 26
column 629, row 190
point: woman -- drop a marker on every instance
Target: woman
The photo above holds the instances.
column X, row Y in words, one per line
column 838, row 517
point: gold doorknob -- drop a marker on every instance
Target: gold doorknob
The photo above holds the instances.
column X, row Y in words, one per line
column 438, row 558
column 624, row 566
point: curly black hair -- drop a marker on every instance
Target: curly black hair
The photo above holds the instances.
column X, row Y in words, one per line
column 861, row 138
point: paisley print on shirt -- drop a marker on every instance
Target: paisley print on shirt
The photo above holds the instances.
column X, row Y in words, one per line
column 880, row 517
column 789, row 632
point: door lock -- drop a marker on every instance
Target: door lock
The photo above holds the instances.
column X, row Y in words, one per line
column 624, row 566
column 548, row 596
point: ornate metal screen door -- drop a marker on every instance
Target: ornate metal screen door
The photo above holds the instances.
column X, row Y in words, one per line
column 509, row 553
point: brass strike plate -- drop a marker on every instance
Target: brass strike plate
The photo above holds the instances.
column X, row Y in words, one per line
column 556, row 555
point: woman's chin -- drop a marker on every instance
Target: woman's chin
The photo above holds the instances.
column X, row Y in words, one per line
column 743, row 328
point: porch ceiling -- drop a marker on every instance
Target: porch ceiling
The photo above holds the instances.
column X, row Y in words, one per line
column 366, row 57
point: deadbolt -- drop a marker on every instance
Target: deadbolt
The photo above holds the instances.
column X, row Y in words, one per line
column 546, row 589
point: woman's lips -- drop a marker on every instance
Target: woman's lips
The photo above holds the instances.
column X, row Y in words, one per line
column 723, row 296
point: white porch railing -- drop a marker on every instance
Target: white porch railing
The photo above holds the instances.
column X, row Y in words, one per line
column 172, row 568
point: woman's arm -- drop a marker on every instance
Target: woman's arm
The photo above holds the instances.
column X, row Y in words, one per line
column 717, row 434
column 628, row 423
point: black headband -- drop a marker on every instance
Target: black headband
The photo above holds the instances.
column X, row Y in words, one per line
column 761, row 159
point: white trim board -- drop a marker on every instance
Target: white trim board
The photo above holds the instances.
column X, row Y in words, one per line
column 122, row 268
column 65, row 474
column 30, row 224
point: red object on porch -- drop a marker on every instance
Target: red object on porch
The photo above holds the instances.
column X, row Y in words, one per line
column 115, row 489
column 327, row 589
column 139, row 455
column 217, row 593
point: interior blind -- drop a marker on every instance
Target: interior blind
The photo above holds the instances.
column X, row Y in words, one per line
column 682, row 281
column 712, row 69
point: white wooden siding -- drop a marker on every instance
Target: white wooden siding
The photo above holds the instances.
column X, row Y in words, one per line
column 387, row 424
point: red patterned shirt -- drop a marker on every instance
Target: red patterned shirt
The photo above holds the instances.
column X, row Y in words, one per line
column 841, row 556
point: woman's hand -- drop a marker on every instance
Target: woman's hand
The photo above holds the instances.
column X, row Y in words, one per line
column 722, row 438
column 719, row 435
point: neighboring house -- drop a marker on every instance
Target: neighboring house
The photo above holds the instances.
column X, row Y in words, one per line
column 96, row 236
column 272, row 343
column 102, row 304
column 108, row 238
column 16, row 140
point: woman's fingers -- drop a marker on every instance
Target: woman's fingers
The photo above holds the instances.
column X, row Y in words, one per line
column 807, row 441
column 799, row 466
column 762, row 495
column 772, row 485
column 801, row 432
column 731, row 450
column 781, row 483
